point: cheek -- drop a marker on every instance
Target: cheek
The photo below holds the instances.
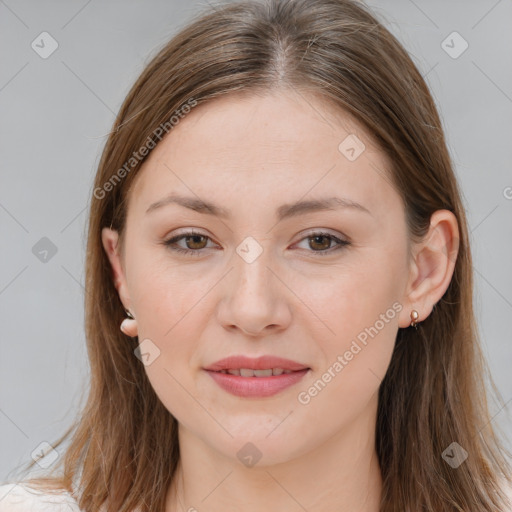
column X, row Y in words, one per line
column 163, row 293
column 352, row 298
column 360, row 312
column 161, row 302
column 167, row 319
column 355, row 361
column 170, row 303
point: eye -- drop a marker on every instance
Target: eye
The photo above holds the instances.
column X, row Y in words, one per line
column 321, row 242
column 195, row 242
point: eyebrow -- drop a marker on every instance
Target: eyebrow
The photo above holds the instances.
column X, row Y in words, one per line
column 283, row 212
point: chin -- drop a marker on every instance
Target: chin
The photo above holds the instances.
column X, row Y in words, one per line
column 259, row 448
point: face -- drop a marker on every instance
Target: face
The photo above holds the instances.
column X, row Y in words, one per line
column 321, row 287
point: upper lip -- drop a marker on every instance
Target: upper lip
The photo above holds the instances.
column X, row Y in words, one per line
column 260, row 363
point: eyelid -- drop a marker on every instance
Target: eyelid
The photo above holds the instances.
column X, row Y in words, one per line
column 322, row 231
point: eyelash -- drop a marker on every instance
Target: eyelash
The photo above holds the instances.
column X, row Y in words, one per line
column 172, row 241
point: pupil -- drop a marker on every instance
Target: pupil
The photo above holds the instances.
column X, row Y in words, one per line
column 195, row 238
column 319, row 237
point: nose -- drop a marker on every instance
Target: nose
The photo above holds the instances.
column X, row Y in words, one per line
column 255, row 299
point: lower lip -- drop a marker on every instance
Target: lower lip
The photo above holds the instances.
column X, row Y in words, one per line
column 256, row 386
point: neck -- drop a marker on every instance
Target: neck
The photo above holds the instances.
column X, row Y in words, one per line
column 341, row 474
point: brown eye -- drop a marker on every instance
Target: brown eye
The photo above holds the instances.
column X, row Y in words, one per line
column 196, row 241
column 320, row 242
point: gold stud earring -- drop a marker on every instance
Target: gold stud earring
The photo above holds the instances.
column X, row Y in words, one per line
column 414, row 317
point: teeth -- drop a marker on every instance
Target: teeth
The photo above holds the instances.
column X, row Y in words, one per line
column 263, row 373
column 248, row 372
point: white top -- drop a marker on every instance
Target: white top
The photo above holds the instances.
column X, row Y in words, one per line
column 19, row 498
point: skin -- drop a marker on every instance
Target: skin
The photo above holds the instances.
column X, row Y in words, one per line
column 251, row 154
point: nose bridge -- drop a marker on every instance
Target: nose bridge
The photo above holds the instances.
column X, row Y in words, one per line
column 251, row 261
column 252, row 296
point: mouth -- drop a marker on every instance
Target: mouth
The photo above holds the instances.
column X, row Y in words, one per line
column 249, row 372
column 256, row 377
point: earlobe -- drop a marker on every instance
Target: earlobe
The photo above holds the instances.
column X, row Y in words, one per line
column 433, row 264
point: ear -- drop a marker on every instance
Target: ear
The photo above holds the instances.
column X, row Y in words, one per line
column 110, row 239
column 432, row 266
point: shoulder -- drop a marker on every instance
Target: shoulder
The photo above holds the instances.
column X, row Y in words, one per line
column 19, row 497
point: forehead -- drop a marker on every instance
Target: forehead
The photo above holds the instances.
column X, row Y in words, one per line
column 261, row 149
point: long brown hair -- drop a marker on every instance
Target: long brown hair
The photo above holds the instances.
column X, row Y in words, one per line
column 124, row 450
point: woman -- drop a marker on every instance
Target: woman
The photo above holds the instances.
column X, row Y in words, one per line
column 276, row 217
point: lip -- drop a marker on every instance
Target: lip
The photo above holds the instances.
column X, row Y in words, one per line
column 259, row 363
column 256, row 386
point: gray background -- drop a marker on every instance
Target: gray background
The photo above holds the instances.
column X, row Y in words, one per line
column 56, row 112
